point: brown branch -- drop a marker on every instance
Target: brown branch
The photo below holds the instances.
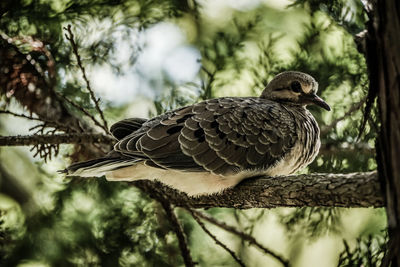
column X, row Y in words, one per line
column 307, row 190
column 179, row 232
column 242, row 235
column 29, row 140
column 219, row 243
column 70, row 38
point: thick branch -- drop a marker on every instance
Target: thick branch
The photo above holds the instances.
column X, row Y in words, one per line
column 29, row 140
column 329, row 190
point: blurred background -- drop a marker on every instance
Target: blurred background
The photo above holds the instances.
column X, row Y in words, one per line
column 143, row 58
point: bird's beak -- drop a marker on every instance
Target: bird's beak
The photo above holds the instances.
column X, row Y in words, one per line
column 314, row 99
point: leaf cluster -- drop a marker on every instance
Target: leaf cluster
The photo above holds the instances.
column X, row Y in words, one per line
column 368, row 251
column 93, row 223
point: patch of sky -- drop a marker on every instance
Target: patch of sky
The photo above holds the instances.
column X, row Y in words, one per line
column 164, row 54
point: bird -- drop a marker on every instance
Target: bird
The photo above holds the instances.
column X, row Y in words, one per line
column 207, row 147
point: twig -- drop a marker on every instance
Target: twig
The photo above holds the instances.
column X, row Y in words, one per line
column 70, row 38
column 207, row 88
column 82, row 110
column 242, row 235
column 19, row 115
column 201, row 224
column 179, row 233
column 75, row 138
column 46, row 123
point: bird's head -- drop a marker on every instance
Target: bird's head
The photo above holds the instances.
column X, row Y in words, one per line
column 294, row 87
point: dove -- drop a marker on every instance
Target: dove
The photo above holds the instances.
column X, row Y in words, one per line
column 213, row 145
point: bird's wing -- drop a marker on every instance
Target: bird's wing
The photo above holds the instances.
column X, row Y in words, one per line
column 222, row 135
column 125, row 127
column 243, row 133
column 156, row 142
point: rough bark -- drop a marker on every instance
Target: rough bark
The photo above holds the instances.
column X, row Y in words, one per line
column 329, row 190
column 383, row 58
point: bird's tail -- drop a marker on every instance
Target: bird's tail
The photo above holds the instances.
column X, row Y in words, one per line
column 96, row 167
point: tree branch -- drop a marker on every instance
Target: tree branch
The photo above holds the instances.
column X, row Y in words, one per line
column 312, row 190
column 45, row 122
column 29, row 140
column 100, row 138
column 70, row 38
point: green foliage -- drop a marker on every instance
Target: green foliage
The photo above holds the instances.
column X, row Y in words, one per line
column 222, row 56
column 368, row 251
column 312, row 222
column 97, row 223
column 11, row 230
column 350, row 14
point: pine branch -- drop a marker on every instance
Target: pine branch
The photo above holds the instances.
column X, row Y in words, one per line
column 242, row 235
column 20, row 115
column 76, row 138
column 45, row 122
column 70, row 38
column 17, row 141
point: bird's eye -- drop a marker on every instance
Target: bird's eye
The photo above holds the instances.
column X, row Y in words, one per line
column 295, row 86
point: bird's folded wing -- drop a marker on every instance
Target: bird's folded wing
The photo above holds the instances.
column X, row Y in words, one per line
column 125, row 127
column 222, row 135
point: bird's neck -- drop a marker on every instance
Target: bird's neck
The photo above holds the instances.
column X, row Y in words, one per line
column 292, row 104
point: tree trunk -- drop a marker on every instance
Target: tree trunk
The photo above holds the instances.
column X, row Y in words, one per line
column 383, row 58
